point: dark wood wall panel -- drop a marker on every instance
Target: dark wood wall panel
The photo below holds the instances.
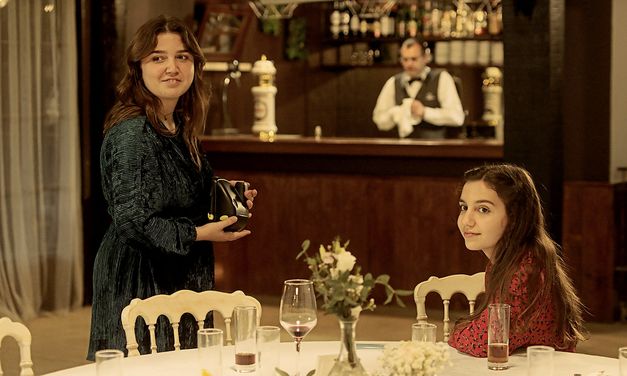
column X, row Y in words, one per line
column 398, row 225
column 589, row 246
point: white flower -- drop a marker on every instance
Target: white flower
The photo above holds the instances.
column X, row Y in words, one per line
column 345, row 261
column 413, row 358
column 325, row 256
column 355, row 311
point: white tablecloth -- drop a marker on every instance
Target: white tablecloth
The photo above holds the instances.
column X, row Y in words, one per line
column 184, row 363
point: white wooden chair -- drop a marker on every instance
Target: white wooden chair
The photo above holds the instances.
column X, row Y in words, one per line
column 469, row 285
column 22, row 335
column 174, row 306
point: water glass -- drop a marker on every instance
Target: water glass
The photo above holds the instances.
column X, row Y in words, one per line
column 210, row 351
column 423, row 332
column 498, row 336
column 109, row 362
column 245, row 323
column 540, row 360
column 622, row 360
column 268, row 342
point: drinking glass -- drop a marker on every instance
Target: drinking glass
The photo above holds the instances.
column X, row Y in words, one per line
column 268, row 342
column 109, row 362
column 498, row 336
column 210, row 351
column 622, row 360
column 298, row 311
column 423, row 332
column 540, row 360
column 245, row 323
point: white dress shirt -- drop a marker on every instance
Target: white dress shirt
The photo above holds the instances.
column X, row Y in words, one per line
column 387, row 114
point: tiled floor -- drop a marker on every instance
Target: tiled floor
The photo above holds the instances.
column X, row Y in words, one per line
column 60, row 341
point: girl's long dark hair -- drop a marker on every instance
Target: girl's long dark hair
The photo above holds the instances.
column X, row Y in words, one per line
column 134, row 98
column 525, row 234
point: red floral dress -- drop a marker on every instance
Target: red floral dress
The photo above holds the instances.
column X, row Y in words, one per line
column 472, row 339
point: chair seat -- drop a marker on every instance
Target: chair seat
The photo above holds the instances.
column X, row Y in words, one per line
column 468, row 285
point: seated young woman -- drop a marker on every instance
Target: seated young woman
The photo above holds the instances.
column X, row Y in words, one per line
column 501, row 215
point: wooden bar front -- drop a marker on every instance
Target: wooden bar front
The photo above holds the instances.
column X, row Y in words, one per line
column 395, row 200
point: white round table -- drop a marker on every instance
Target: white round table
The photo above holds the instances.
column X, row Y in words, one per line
column 184, row 363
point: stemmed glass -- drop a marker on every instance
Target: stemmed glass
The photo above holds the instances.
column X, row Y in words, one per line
column 298, row 311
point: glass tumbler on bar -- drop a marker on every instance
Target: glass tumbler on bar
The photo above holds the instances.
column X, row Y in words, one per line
column 109, row 362
column 210, row 351
column 498, row 336
column 245, row 323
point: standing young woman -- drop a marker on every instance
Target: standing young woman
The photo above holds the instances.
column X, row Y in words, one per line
column 156, row 183
column 501, row 215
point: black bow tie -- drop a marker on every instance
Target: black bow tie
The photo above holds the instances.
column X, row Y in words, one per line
column 414, row 79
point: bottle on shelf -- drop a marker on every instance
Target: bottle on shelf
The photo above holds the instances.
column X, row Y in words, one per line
column 495, row 17
column 447, row 22
column 354, row 25
column 427, row 25
column 345, row 18
column 334, row 21
column 436, row 17
column 412, row 23
column 401, row 22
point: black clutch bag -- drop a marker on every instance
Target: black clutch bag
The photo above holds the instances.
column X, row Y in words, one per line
column 228, row 201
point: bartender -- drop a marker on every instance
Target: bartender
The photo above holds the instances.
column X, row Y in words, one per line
column 419, row 101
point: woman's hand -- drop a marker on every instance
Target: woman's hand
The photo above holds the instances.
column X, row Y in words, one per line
column 214, row 231
column 250, row 194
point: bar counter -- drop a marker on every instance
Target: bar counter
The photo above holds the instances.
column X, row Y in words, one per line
column 395, row 200
column 333, row 154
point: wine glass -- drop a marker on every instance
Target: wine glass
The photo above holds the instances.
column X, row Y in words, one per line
column 298, row 311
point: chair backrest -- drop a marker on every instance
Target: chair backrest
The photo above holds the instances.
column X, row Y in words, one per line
column 22, row 335
column 469, row 285
column 174, row 306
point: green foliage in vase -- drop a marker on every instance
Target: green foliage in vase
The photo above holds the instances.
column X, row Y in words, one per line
column 338, row 280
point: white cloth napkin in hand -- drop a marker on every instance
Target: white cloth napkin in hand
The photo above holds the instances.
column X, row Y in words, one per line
column 405, row 121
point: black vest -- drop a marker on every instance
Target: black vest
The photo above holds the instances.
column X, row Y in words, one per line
column 428, row 96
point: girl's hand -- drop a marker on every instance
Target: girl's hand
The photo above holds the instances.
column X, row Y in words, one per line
column 214, row 231
column 250, row 195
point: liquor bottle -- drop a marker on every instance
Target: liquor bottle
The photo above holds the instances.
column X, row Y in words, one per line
column 385, row 21
column 447, row 21
column 401, row 22
column 480, row 17
column 495, row 17
column 392, row 19
column 334, row 21
column 345, row 19
column 427, row 25
column 436, row 17
column 354, row 25
column 376, row 28
column 363, row 28
column 412, row 23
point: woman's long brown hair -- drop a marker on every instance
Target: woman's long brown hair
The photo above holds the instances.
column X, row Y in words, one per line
column 134, row 98
column 525, row 234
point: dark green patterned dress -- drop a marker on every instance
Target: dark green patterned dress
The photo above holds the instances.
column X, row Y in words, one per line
column 156, row 197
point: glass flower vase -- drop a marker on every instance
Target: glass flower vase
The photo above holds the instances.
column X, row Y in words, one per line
column 347, row 362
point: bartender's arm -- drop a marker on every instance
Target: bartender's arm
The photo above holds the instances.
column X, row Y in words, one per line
column 450, row 111
column 386, row 113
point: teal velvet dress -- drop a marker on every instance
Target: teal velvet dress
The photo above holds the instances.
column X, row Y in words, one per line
column 156, row 197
